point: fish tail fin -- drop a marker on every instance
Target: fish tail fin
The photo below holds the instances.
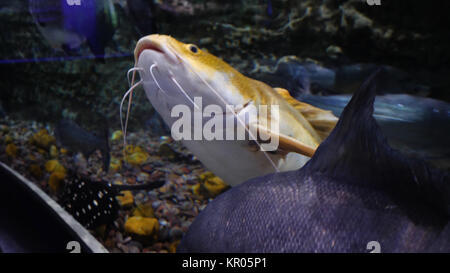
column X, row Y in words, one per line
column 356, row 152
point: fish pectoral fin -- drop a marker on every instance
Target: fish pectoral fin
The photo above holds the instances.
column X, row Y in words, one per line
column 290, row 144
column 323, row 121
column 286, row 143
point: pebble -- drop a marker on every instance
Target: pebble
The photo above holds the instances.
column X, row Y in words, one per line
column 135, row 244
column 133, row 249
column 109, row 243
column 163, row 223
column 158, row 246
column 122, row 247
column 142, row 177
column 127, row 240
column 158, row 164
column 180, row 197
column 153, row 195
column 185, row 170
column 156, row 204
column 131, row 180
column 119, row 237
column 166, row 195
column 141, row 197
column 186, row 205
column 176, row 233
column 174, row 210
column 164, row 234
column 116, row 250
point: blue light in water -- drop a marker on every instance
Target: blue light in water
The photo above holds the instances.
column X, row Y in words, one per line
column 63, row 58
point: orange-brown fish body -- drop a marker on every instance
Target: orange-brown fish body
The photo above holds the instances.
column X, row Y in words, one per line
column 175, row 73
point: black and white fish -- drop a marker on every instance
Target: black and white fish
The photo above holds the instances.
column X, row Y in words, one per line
column 93, row 203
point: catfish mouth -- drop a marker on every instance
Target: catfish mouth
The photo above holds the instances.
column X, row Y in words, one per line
column 148, row 43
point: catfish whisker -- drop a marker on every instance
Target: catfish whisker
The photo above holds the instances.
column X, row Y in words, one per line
column 182, row 90
column 154, row 78
column 132, row 70
column 128, row 93
column 231, row 110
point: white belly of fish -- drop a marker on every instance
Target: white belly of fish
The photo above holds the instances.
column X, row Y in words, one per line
column 232, row 160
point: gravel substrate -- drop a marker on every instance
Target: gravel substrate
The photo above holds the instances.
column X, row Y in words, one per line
column 174, row 204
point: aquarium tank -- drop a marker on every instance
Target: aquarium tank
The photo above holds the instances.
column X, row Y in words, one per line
column 177, row 126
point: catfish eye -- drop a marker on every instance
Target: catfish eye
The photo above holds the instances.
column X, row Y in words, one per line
column 193, row 48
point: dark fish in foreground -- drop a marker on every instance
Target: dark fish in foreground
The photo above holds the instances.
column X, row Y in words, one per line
column 76, row 139
column 355, row 189
column 93, row 203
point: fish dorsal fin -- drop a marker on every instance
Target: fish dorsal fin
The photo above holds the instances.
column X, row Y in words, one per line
column 356, row 152
column 323, row 121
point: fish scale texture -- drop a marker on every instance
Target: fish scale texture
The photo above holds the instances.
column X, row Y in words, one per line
column 353, row 191
column 315, row 217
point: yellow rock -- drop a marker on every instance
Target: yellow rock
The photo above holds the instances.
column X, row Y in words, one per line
column 8, row 139
column 143, row 226
column 206, row 175
column 115, row 164
column 210, row 185
column 166, row 151
column 144, row 210
column 137, row 158
column 35, row 170
column 117, row 135
column 42, row 139
column 11, row 150
column 127, row 199
column 173, row 246
column 54, row 166
column 131, row 149
column 4, row 128
column 53, row 151
column 55, row 181
column 215, row 186
column 135, row 155
column 197, row 189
